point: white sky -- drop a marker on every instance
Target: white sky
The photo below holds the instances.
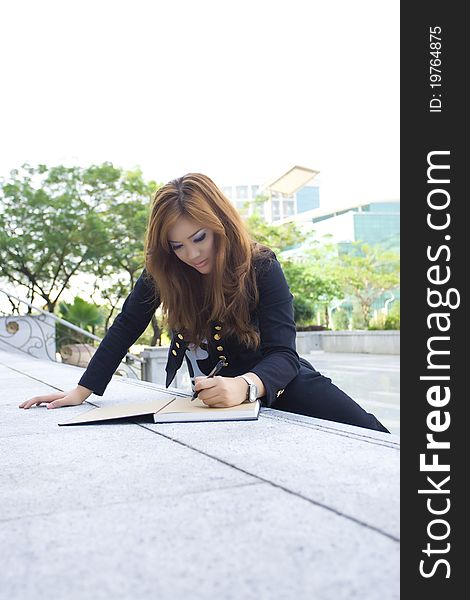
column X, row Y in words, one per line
column 241, row 91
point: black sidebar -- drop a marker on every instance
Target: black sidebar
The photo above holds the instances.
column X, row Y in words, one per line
column 435, row 317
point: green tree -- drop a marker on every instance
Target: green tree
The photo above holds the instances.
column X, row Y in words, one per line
column 125, row 215
column 365, row 272
column 277, row 237
column 57, row 222
column 51, row 225
column 310, row 278
column 312, row 284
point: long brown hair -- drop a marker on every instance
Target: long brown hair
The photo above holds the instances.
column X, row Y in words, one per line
column 191, row 301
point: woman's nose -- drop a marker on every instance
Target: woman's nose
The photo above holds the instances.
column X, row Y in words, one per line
column 193, row 252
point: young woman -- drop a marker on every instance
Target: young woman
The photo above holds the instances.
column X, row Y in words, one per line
column 225, row 298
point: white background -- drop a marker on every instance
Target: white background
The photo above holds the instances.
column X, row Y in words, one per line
column 241, row 91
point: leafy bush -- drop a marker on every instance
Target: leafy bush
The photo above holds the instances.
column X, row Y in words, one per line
column 378, row 322
column 304, row 311
column 84, row 314
column 340, row 319
column 393, row 318
column 357, row 320
column 392, row 322
column 389, row 321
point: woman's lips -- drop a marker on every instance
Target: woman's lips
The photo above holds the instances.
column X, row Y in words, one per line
column 201, row 264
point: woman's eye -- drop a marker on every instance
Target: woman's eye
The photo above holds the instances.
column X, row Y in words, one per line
column 176, row 248
column 200, row 238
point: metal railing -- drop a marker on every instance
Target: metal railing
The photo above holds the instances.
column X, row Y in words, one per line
column 45, row 335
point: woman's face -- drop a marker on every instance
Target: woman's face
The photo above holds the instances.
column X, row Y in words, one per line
column 192, row 244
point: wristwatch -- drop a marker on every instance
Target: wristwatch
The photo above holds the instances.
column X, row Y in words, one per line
column 252, row 392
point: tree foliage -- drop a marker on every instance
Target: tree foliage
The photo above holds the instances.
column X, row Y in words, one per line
column 84, row 314
column 311, row 285
column 123, row 241
column 277, row 237
column 57, row 222
column 125, row 214
column 328, row 272
column 365, row 273
column 81, row 313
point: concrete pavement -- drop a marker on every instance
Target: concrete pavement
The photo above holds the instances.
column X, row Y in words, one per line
column 284, row 507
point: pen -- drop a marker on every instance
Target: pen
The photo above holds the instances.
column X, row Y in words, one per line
column 213, row 373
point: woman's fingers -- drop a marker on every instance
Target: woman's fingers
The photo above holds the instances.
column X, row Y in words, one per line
column 216, row 400
column 68, row 400
column 205, row 383
column 212, row 396
column 58, row 399
column 37, row 400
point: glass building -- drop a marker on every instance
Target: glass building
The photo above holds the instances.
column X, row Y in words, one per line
column 373, row 223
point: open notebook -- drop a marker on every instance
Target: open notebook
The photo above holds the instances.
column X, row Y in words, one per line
column 167, row 408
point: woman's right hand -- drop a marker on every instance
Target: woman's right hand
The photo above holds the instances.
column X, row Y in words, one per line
column 57, row 399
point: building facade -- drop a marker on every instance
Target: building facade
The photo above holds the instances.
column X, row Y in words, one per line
column 373, row 223
column 253, row 198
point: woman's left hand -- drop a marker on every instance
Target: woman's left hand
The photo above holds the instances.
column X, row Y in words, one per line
column 221, row 392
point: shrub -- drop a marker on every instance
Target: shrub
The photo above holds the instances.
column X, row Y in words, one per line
column 304, row 312
column 393, row 318
column 357, row 320
column 392, row 322
column 377, row 322
column 340, row 319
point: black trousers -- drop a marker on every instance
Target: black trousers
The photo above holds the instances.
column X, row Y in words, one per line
column 312, row 394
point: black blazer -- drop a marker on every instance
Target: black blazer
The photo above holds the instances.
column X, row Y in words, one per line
column 276, row 361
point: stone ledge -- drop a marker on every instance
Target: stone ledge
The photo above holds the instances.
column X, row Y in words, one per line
column 357, row 341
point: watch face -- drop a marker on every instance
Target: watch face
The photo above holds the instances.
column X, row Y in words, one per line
column 253, row 393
